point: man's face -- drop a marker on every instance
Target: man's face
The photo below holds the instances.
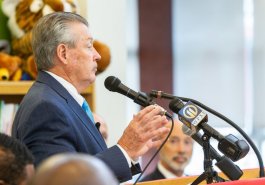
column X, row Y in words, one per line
column 176, row 153
column 82, row 59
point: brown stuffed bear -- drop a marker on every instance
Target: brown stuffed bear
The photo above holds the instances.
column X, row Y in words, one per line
column 23, row 14
column 10, row 67
column 104, row 52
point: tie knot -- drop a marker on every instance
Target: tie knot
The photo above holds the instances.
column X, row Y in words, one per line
column 87, row 109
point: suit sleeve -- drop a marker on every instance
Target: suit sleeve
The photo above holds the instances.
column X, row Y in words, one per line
column 115, row 159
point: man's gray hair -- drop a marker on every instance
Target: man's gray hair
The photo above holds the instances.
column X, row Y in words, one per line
column 50, row 31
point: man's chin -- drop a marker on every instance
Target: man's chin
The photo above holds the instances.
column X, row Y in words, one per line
column 178, row 166
column 92, row 78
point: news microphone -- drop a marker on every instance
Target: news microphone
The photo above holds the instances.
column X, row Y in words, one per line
column 195, row 119
column 198, row 138
column 232, row 171
column 114, row 84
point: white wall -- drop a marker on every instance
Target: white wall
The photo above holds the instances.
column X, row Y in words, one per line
column 216, row 65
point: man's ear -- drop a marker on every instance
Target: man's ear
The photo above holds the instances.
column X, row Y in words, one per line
column 61, row 53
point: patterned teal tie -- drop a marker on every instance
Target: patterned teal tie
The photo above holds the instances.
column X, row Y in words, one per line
column 86, row 108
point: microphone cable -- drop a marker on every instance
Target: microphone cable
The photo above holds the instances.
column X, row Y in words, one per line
column 155, row 154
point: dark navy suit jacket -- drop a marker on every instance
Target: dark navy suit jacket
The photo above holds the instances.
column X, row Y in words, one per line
column 50, row 121
column 155, row 175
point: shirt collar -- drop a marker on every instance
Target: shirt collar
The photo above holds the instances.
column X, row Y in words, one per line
column 69, row 87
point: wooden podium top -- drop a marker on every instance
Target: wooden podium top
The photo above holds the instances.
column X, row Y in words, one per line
column 247, row 174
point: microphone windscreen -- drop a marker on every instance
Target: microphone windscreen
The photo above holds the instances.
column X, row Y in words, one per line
column 112, row 83
column 97, row 124
column 176, row 105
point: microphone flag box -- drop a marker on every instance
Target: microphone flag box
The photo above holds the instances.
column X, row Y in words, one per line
column 192, row 116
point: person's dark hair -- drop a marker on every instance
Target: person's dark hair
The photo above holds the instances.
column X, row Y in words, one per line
column 14, row 156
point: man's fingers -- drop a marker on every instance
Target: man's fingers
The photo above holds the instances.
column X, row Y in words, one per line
column 155, row 123
column 159, row 133
column 149, row 112
column 157, row 141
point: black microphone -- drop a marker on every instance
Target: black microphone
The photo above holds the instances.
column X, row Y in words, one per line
column 97, row 124
column 195, row 119
column 114, row 84
column 232, row 171
column 192, row 117
column 161, row 94
column 198, row 138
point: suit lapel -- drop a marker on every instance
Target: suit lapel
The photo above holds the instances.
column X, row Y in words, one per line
column 87, row 122
column 158, row 174
column 44, row 77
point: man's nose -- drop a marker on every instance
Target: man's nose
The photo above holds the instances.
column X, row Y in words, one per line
column 97, row 56
column 181, row 147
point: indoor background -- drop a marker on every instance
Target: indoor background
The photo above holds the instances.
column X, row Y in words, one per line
column 211, row 51
column 217, row 49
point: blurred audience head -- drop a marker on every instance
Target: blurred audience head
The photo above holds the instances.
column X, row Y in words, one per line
column 177, row 151
column 16, row 162
column 73, row 169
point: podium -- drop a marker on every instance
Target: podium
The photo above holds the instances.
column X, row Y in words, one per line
column 249, row 177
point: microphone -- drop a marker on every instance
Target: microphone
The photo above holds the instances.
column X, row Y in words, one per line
column 114, row 84
column 232, row 171
column 197, row 137
column 97, row 124
column 195, row 119
column 161, row 94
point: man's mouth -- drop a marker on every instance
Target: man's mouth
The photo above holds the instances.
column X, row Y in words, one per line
column 180, row 159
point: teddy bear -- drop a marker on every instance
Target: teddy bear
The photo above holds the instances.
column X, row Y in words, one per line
column 23, row 14
column 10, row 67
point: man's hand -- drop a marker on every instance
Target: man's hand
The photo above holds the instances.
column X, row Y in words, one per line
column 145, row 131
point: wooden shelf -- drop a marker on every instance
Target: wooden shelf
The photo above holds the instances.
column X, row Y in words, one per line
column 13, row 92
column 15, row 88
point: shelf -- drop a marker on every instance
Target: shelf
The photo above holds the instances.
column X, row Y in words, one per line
column 13, row 92
column 22, row 87
column 15, row 88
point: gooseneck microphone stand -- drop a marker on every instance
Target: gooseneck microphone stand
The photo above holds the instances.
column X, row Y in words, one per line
column 209, row 174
